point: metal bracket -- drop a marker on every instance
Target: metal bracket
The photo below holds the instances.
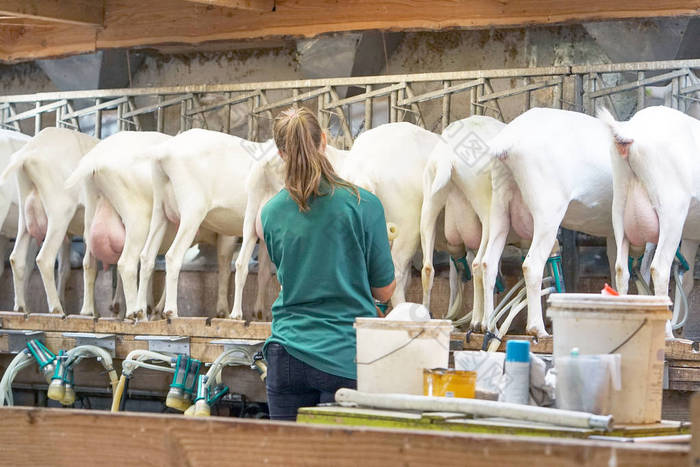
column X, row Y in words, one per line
column 104, row 341
column 168, row 344
column 665, row 384
column 17, row 339
column 247, row 347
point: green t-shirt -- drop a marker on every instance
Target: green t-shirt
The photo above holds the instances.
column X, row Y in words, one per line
column 327, row 259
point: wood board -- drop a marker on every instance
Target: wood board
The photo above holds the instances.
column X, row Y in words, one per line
column 83, row 437
column 129, row 23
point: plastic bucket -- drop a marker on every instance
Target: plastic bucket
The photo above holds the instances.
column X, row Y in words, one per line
column 630, row 325
column 391, row 355
column 442, row 382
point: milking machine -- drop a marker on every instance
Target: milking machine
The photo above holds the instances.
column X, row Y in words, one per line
column 62, row 384
column 138, row 359
column 516, row 300
column 181, row 393
column 210, row 388
column 35, row 352
column 57, row 369
column 679, row 267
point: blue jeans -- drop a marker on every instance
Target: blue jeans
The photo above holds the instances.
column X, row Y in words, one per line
column 292, row 383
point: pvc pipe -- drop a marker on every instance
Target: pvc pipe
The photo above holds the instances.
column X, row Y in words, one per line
column 21, row 360
column 77, row 353
column 117, row 393
column 681, row 306
column 493, row 346
column 136, row 358
column 478, row 407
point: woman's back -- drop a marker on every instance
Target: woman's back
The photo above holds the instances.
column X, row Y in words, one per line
column 327, row 259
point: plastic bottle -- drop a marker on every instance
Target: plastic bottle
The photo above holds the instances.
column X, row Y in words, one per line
column 517, row 372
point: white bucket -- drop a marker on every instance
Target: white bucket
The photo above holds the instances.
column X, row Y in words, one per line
column 630, row 325
column 391, row 355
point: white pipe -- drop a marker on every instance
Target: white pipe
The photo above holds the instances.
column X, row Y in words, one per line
column 681, row 301
column 77, row 353
column 228, row 357
column 21, row 360
column 136, row 359
column 478, row 407
column 493, row 346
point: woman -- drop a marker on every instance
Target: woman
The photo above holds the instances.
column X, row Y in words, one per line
column 329, row 242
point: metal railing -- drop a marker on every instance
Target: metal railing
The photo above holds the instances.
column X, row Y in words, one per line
column 350, row 105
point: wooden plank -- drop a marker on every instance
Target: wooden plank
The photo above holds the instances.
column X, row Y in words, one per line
column 681, row 349
column 44, row 42
column 175, row 440
column 684, row 385
column 77, row 12
column 255, row 5
column 219, row 328
column 694, row 457
column 683, row 374
column 129, row 23
column 542, row 345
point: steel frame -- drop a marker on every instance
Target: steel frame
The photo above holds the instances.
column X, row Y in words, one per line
column 579, row 88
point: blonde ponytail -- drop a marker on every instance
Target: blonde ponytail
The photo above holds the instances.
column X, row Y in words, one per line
column 298, row 137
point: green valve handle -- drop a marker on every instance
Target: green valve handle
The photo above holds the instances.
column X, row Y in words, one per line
column 554, row 263
column 216, row 393
column 41, row 354
column 466, row 271
column 44, row 358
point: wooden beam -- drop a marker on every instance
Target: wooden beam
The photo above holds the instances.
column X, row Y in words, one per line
column 255, row 5
column 33, row 436
column 80, row 12
column 695, row 430
column 129, row 23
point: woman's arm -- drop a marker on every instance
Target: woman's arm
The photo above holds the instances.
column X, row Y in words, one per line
column 383, row 294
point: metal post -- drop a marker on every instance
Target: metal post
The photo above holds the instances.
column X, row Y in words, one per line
column 570, row 260
column 368, row 109
column 528, row 96
column 558, row 91
column 37, row 119
column 393, row 97
column 227, row 118
column 472, row 101
column 183, row 115
column 319, row 104
column 58, row 116
column 479, row 93
column 675, row 88
column 590, row 102
column 98, row 120
column 445, row 106
column 640, row 92
column 344, row 124
column 253, row 119
column 578, row 92
column 120, row 112
column 160, row 116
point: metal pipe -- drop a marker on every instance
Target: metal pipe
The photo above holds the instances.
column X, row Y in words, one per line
column 477, row 407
